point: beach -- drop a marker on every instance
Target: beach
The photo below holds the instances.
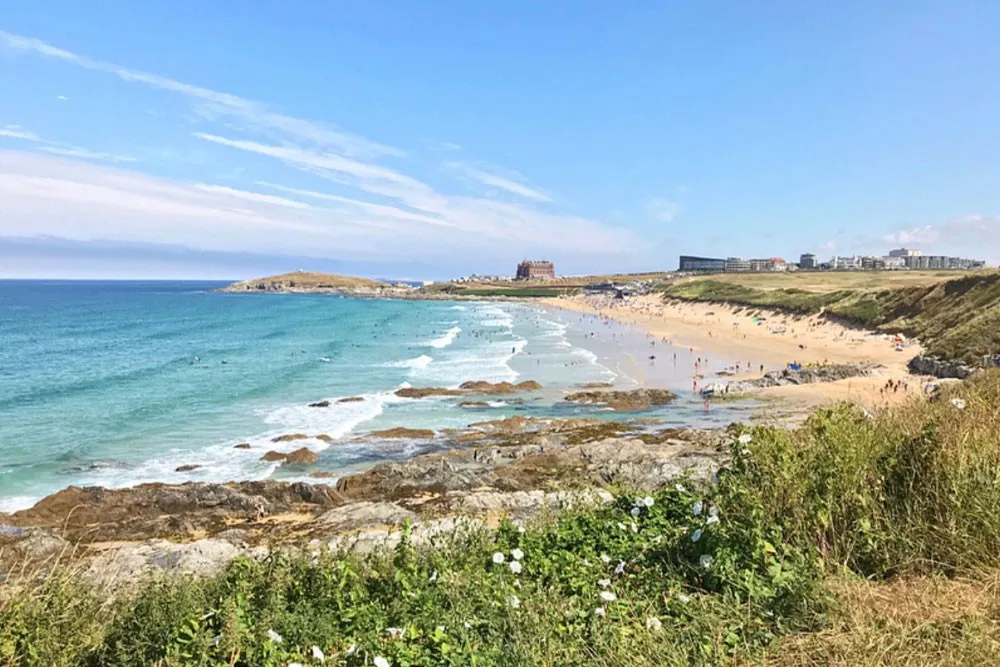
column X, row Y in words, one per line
column 762, row 341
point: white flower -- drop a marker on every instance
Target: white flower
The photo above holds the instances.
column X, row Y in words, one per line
column 498, row 558
column 294, row 664
column 711, row 520
column 635, row 511
column 958, row 403
column 680, row 488
column 608, row 596
column 351, row 649
column 657, row 539
column 395, row 633
column 706, row 561
column 654, row 624
column 605, row 558
column 621, row 526
column 745, row 439
column 620, row 568
column 441, row 628
column 683, row 598
column 274, row 637
column 434, row 576
column 603, row 583
column 634, row 527
column 586, row 562
column 514, row 601
column 468, row 626
column 318, row 653
column 696, row 535
column 515, row 567
column 600, row 611
column 697, row 507
column 379, row 661
column 713, row 511
column 517, row 554
column 520, row 529
column 648, row 501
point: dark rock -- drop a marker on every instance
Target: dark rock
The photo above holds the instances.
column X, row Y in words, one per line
column 187, row 468
column 320, row 404
column 272, row 456
column 624, row 401
column 352, row 399
column 404, row 433
column 290, row 437
column 301, row 456
column 940, row 368
column 474, row 404
column 242, row 445
column 424, row 392
column 481, row 387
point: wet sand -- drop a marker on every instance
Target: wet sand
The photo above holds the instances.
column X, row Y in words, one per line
column 730, row 333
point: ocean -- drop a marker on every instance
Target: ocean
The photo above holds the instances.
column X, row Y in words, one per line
column 120, row 383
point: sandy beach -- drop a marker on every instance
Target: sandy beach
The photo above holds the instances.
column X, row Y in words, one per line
column 772, row 342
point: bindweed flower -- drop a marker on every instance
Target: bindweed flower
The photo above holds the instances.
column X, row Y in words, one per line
column 434, row 576
column 657, row 539
column 603, row 583
column 498, row 558
column 634, row 527
column 696, row 535
column 635, row 511
column 958, row 403
column 620, row 568
column 706, row 561
column 514, row 601
column 608, row 596
column 680, row 488
column 395, row 633
column 520, row 529
column 352, row 649
column 697, row 508
column 318, row 654
column 621, row 526
column 745, row 439
column 713, row 511
column 605, row 558
column 274, row 637
column 468, row 626
column 379, row 661
column 648, row 501
column 683, row 598
column 711, row 520
column 294, row 664
column 515, row 567
column 600, row 611
column 654, row 624
column 517, row 554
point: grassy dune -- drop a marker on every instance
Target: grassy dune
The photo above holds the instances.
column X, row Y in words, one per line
column 858, row 539
column 957, row 318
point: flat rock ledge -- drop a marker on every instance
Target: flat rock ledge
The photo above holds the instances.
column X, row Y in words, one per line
column 787, row 376
column 518, row 468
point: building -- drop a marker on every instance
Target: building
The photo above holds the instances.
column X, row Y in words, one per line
column 807, row 261
column 904, row 252
column 541, row 270
column 691, row 263
column 737, row 265
column 769, row 264
column 846, row 263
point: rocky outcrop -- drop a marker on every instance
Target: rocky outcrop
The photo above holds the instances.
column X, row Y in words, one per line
column 424, row 392
column 320, row 404
column 190, row 467
column 787, row 376
column 623, row 401
column 352, row 399
column 242, row 445
column 404, row 433
column 303, row 455
column 481, row 387
column 474, row 405
column 290, row 437
column 940, row 368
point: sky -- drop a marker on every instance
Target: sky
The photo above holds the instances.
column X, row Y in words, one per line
column 183, row 139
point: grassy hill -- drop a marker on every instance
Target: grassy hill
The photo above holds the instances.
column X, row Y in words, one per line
column 957, row 318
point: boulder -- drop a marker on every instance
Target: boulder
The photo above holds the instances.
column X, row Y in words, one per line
column 474, row 405
column 364, row 514
column 242, row 445
column 404, row 433
column 273, row 456
column 352, row 399
column 320, row 404
column 424, row 392
column 187, row 468
column 481, row 387
column 940, row 368
column 303, row 455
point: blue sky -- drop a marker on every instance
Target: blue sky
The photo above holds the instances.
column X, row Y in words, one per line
column 432, row 139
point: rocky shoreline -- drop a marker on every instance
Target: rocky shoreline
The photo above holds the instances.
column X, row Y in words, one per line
column 516, row 467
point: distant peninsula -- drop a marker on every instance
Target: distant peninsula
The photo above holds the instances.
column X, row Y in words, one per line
column 308, row 282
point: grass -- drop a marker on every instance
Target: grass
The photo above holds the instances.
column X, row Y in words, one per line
column 955, row 319
column 858, row 539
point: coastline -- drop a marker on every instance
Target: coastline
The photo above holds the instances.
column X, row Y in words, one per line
column 731, row 332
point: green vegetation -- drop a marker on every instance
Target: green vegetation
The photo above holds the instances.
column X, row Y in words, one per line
column 956, row 319
column 858, row 539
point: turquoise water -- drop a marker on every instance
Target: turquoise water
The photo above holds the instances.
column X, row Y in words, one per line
column 118, row 383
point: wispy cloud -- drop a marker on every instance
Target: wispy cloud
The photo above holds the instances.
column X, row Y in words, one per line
column 661, row 210
column 977, row 233
column 213, row 103
column 62, row 98
column 58, row 147
column 509, row 183
column 255, row 197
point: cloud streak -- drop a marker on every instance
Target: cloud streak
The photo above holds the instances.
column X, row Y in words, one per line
column 499, row 181
column 58, row 148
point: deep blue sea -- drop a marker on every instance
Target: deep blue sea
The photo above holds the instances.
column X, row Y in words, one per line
column 118, row 383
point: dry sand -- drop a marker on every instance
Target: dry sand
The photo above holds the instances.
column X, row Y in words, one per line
column 731, row 332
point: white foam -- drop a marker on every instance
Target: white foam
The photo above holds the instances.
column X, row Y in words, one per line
column 447, row 339
column 458, row 308
column 12, row 504
column 423, row 361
